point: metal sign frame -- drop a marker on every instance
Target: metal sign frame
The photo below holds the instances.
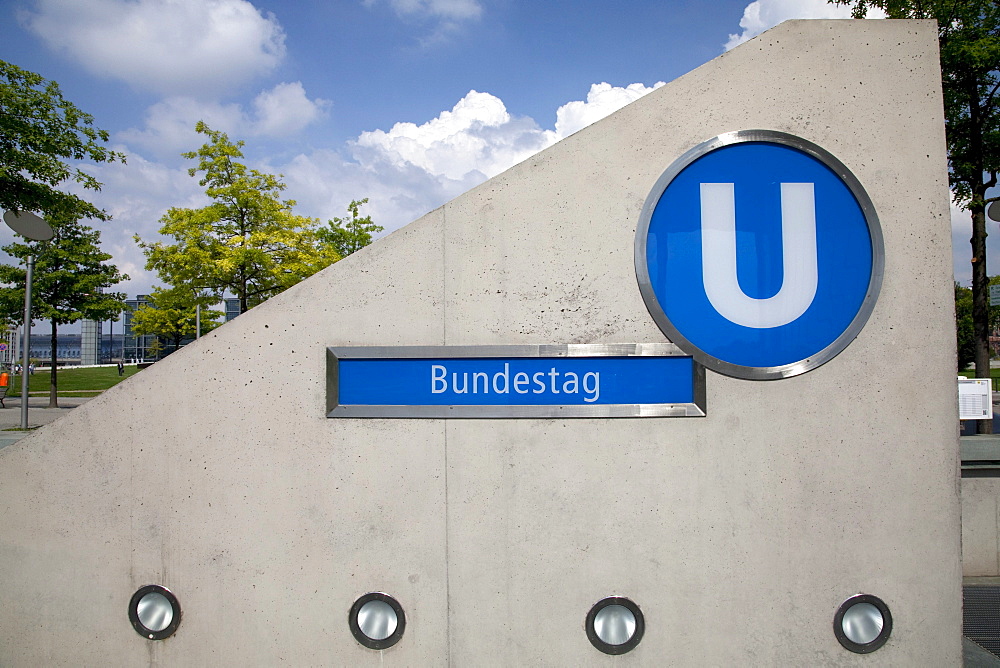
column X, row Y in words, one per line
column 334, row 409
column 656, row 310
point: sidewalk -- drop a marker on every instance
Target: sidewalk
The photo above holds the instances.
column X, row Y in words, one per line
column 38, row 414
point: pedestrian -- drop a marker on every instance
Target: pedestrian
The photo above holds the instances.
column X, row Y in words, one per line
column 121, row 368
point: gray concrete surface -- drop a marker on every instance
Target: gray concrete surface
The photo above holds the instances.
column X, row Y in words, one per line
column 216, row 473
column 975, row 656
column 38, row 414
column 980, row 505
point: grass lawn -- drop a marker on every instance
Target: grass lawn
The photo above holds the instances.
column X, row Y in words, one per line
column 994, row 373
column 72, row 382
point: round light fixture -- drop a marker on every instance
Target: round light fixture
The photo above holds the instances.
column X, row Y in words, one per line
column 863, row 623
column 154, row 612
column 377, row 620
column 615, row 625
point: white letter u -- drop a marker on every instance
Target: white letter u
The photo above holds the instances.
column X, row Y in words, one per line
column 718, row 257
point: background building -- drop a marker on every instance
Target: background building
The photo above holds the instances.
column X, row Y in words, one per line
column 232, row 307
column 135, row 348
column 71, row 350
column 90, row 342
column 93, row 345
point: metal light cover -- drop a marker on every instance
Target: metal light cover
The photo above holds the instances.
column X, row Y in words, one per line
column 863, row 623
column 615, row 625
column 154, row 612
column 377, row 620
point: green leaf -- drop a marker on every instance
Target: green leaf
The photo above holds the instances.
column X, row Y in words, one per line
column 247, row 242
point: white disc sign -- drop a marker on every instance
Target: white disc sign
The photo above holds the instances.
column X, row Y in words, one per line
column 28, row 225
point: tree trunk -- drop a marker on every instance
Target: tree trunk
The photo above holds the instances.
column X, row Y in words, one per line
column 53, row 393
column 980, row 301
column 244, row 297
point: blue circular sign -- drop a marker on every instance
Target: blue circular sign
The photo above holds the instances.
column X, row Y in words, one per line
column 759, row 254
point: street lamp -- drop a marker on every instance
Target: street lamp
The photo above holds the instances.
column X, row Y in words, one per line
column 993, row 211
column 30, row 226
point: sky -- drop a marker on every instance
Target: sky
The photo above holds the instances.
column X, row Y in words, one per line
column 406, row 102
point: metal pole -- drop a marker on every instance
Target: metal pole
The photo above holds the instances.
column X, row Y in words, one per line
column 26, row 347
column 197, row 321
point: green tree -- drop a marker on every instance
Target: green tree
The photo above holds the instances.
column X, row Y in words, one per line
column 347, row 235
column 247, row 242
column 39, row 132
column 70, row 276
column 154, row 349
column 963, row 327
column 172, row 314
column 969, row 41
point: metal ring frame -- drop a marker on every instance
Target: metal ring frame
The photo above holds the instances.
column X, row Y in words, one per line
column 867, row 208
column 359, row 635
column 628, row 645
column 133, row 612
column 883, row 636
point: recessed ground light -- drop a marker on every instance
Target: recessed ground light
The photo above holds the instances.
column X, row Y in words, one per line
column 154, row 612
column 377, row 620
column 615, row 625
column 862, row 623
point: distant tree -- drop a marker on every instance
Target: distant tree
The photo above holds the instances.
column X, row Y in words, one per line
column 172, row 314
column 969, row 42
column 155, row 349
column 347, row 235
column 247, row 243
column 963, row 327
column 70, row 277
column 39, row 132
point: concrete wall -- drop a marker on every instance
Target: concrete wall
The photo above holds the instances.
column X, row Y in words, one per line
column 981, row 527
column 216, row 474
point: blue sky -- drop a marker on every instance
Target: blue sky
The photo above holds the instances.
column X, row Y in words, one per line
column 406, row 102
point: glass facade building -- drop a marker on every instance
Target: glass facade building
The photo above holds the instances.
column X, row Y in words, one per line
column 135, row 348
column 232, row 308
column 90, row 340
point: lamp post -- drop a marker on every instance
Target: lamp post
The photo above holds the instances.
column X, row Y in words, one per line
column 32, row 227
column 26, row 348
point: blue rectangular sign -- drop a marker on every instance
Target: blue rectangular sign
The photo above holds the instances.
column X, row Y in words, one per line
column 620, row 380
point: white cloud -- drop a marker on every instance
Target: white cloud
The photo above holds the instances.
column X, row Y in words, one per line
column 405, row 172
column 169, row 125
column 445, row 17
column 285, row 110
column 193, row 48
column 763, row 15
column 451, row 10
column 279, row 112
column 324, row 182
column 602, row 100
column 476, row 136
column 411, row 169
